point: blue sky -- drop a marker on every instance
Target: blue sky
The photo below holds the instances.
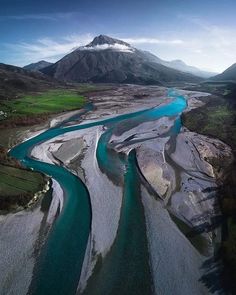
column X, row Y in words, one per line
column 201, row 33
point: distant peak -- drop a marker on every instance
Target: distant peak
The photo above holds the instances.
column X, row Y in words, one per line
column 178, row 61
column 37, row 65
column 43, row 61
column 103, row 42
column 103, row 39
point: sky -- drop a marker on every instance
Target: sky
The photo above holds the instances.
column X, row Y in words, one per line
column 201, row 33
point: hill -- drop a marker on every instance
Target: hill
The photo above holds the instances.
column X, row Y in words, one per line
column 37, row 66
column 228, row 75
column 15, row 80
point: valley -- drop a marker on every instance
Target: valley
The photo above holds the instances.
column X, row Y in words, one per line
column 117, row 175
column 126, row 167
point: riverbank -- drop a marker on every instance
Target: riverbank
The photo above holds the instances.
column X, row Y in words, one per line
column 217, row 119
column 19, row 187
column 25, row 114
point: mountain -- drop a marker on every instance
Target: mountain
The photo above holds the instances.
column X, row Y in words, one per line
column 179, row 65
column 110, row 60
column 182, row 66
column 228, row 75
column 37, row 66
column 102, row 39
column 15, row 81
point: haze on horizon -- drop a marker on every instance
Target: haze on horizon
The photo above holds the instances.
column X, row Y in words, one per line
column 200, row 34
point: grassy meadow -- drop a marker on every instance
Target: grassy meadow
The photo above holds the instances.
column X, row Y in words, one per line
column 18, row 186
column 50, row 102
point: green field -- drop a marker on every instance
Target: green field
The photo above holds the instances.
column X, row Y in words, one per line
column 17, row 186
column 53, row 101
column 217, row 121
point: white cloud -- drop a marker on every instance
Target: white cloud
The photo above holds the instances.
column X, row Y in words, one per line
column 153, row 41
column 39, row 16
column 209, row 45
column 116, row 46
column 46, row 48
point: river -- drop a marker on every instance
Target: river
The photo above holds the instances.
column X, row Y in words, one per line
column 59, row 265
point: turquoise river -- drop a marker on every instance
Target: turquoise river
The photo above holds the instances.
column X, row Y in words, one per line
column 125, row 269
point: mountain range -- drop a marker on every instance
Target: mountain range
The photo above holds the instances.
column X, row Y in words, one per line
column 180, row 66
column 110, row 60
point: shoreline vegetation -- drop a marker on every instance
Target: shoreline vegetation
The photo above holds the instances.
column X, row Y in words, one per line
column 19, row 186
column 217, row 118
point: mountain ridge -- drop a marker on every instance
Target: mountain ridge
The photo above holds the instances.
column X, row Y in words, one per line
column 228, row 75
column 37, row 66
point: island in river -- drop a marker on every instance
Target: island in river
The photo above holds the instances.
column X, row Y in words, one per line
column 133, row 200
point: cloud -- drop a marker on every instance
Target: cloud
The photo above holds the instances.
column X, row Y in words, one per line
column 214, row 44
column 39, row 16
column 116, row 46
column 199, row 43
column 153, row 41
column 46, row 48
